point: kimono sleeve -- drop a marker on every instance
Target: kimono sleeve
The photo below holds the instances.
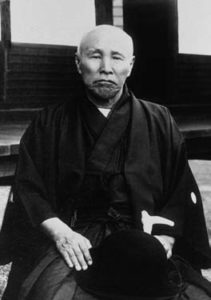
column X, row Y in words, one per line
column 30, row 191
column 175, row 173
column 183, row 202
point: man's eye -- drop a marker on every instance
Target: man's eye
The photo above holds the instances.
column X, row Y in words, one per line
column 95, row 56
column 117, row 57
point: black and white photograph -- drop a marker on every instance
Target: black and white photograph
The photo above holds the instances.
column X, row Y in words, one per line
column 105, row 149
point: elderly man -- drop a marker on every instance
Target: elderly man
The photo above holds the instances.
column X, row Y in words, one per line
column 102, row 162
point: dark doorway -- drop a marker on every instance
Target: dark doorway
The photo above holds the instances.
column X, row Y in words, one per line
column 153, row 26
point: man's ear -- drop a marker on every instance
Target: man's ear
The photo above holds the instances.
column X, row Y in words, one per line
column 78, row 62
column 131, row 65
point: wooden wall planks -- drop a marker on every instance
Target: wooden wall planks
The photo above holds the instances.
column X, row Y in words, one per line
column 40, row 73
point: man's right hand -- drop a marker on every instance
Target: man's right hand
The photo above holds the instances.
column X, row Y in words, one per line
column 73, row 247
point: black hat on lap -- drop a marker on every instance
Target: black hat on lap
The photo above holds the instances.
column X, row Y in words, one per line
column 130, row 264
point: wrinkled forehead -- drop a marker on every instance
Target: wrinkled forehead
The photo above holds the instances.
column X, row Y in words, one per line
column 109, row 40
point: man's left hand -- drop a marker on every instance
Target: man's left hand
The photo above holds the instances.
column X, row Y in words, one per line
column 167, row 242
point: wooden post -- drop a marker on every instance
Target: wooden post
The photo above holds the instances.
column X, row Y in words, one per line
column 104, row 12
column 4, row 46
column 5, row 23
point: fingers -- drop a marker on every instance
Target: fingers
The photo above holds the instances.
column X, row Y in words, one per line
column 167, row 243
column 80, row 255
column 169, row 253
column 77, row 258
column 168, row 250
column 81, row 259
column 75, row 251
column 85, row 251
column 67, row 258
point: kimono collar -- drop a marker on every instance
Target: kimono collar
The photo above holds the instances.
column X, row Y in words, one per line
column 73, row 160
column 110, row 135
column 93, row 118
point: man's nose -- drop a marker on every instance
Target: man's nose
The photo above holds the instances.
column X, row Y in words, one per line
column 106, row 66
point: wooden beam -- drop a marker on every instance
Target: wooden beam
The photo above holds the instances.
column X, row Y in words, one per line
column 104, row 12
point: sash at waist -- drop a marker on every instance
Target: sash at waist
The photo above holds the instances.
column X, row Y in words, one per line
column 99, row 216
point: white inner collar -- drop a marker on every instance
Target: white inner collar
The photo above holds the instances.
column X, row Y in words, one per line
column 104, row 111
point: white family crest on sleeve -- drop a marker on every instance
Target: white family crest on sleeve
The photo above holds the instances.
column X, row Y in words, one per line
column 148, row 221
column 193, row 197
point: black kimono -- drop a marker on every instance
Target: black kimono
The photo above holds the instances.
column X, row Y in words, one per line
column 97, row 174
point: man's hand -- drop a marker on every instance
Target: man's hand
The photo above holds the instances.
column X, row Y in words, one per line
column 73, row 247
column 167, row 242
column 148, row 223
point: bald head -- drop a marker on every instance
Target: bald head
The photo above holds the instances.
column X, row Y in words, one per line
column 111, row 35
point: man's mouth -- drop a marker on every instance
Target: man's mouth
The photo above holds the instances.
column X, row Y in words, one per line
column 104, row 82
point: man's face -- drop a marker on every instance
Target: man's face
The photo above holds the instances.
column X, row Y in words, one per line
column 105, row 62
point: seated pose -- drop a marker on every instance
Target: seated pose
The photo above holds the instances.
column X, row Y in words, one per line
column 100, row 163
